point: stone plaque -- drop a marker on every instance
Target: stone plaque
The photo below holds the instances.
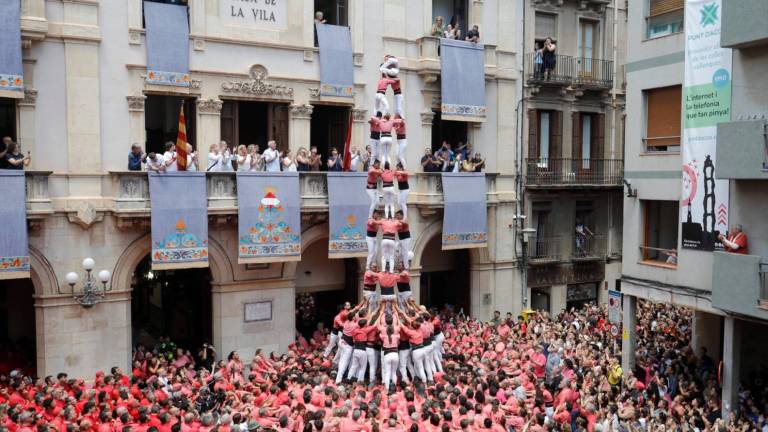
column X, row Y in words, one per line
column 258, row 311
column 257, row 14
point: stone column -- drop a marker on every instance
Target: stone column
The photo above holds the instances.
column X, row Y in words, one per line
column 416, row 284
column 137, row 132
column 208, row 127
column 706, row 334
column 299, row 126
column 359, row 122
column 628, row 334
column 81, row 62
column 558, row 299
column 426, row 130
column 731, row 365
column 26, row 133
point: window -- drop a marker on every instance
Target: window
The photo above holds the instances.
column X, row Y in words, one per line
column 161, row 121
column 455, row 132
column 454, row 12
column 546, row 26
column 545, row 136
column 8, row 118
column 328, row 129
column 587, row 47
column 334, row 11
column 662, row 119
column 588, row 138
column 247, row 122
column 660, row 222
column 173, row 2
column 664, row 17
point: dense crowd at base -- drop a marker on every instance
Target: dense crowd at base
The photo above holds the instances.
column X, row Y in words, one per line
column 557, row 374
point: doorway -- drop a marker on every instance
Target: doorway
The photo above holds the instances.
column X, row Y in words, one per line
column 580, row 295
column 454, row 12
column 8, row 118
column 322, row 285
column 540, row 299
column 250, row 122
column 172, row 303
column 445, row 277
column 161, row 121
column 328, row 129
column 334, row 11
column 455, row 132
column 17, row 327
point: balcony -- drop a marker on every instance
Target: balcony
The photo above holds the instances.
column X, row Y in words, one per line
column 566, row 173
column 743, row 24
column 544, row 250
column 740, row 284
column 571, row 71
column 38, row 196
column 428, row 66
column 589, row 248
column 741, row 150
column 130, row 190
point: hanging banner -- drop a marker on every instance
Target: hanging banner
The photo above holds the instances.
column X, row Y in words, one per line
column 167, row 36
column 706, row 102
column 179, row 220
column 269, row 217
column 614, row 307
column 11, row 68
column 14, row 247
column 465, row 217
column 336, row 70
column 348, row 206
column 462, row 78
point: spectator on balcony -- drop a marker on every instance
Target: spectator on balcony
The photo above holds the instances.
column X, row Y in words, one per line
column 214, row 158
column 335, row 161
column 15, row 159
column 538, row 62
column 315, row 160
column 226, row 157
column 478, row 162
column 289, row 162
column 191, row 158
column 452, row 32
column 319, row 18
column 582, row 234
column 438, row 27
column 736, row 241
column 445, row 156
column 243, row 158
column 357, row 158
column 549, row 58
column 169, row 157
column 302, row 160
column 155, row 162
column 257, row 162
column 671, row 256
column 135, row 158
column 272, row 157
column 429, row 162
column 473, row 35
column 4, row 144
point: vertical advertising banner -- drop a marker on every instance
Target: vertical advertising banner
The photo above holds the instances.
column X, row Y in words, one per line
column 706, row 102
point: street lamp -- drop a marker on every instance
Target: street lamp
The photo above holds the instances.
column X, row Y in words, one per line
column 91, row 293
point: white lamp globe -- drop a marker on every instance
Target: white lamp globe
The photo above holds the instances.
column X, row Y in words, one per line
column 72, row 278
column 89, row 264
column 104, row 276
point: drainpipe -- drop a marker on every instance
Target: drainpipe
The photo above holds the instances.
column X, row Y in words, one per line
column 614, row 90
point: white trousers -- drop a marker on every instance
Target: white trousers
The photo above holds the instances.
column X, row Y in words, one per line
column 389, row 201
column 374, row 149
column 344, row 360
column 402, row 201
column 405, row 364
column 332, row 341
column 436, row 358
column 388, row 255
column 402, row 144
column 405, row 247
column 371, row 251
column 418, row 363
column 429, row 363
column 385, row 145
column 389, row 369
column 381, row 104
column 373, row 363
column 373, row 195
column 399, row 105
column 357, row 368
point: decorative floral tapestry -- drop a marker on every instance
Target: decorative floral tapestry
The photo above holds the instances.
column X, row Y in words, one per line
column 465, row 218
column 179, row 220
column 269, row 217
column 14, row 249
column 348, row 205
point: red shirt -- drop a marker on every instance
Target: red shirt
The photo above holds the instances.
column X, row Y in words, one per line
column 402, row 176
column 741, row 240
column 390, row 226
column 374, row 122
column 339, row 319
column 388, row 176
column 404, row 277
column 399, row 125
column 372, row 225
column 373, row 175
column 371, row 277
column 387, row 279
column 386, row 125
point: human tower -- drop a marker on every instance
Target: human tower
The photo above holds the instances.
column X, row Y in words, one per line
column 387, row 327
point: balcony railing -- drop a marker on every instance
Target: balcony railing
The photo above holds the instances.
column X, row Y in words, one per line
column 544, row 249
column 763, row 285
column 131, row 192
column 739, row 284
column 545, row 172
column 588, row 247
column 568, row 70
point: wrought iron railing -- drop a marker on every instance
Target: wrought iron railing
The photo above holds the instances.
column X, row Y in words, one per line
column 588, row 246
column 567, row 70
column 544, row 248
column 574, row 172
column 763, row 285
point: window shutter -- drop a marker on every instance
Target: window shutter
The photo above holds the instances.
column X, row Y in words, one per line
column 576, row 142
column 546, row 26
column 533, row 133
column 661, row 7
column 663, row 116
column 598, row 137
column 229, row 122
column 556, row 132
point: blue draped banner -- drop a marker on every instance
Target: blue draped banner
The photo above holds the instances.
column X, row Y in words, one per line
column 465, row 218
column 179, row 220
column 348, row 205
column 336, row 75
column 269, row 217
column 11, row 69
column 14, row 249
column 462, row 77
column 167, row 28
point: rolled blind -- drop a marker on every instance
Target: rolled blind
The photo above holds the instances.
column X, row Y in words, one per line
column 546, row 26
column 660, row 7
column 663, row 116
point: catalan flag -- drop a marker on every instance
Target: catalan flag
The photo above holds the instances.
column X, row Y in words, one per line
column 181, row 141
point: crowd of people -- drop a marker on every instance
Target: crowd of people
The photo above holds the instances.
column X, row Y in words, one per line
column 448, row 159
column 541, row 373
column 453, row 30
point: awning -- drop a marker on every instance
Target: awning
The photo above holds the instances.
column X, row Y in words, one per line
column 167, row 28
column 462, row 76
column 11, row 68
column 336, row 76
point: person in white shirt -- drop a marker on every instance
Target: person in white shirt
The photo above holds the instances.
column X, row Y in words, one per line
column 272, row 157
column 155, row 162
column 243, row 158
column 226, row 157
column 191, row 158
column 289, row 164
column 356, row 160
column 169, row 157
column 214, row 158
column 255, row 158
